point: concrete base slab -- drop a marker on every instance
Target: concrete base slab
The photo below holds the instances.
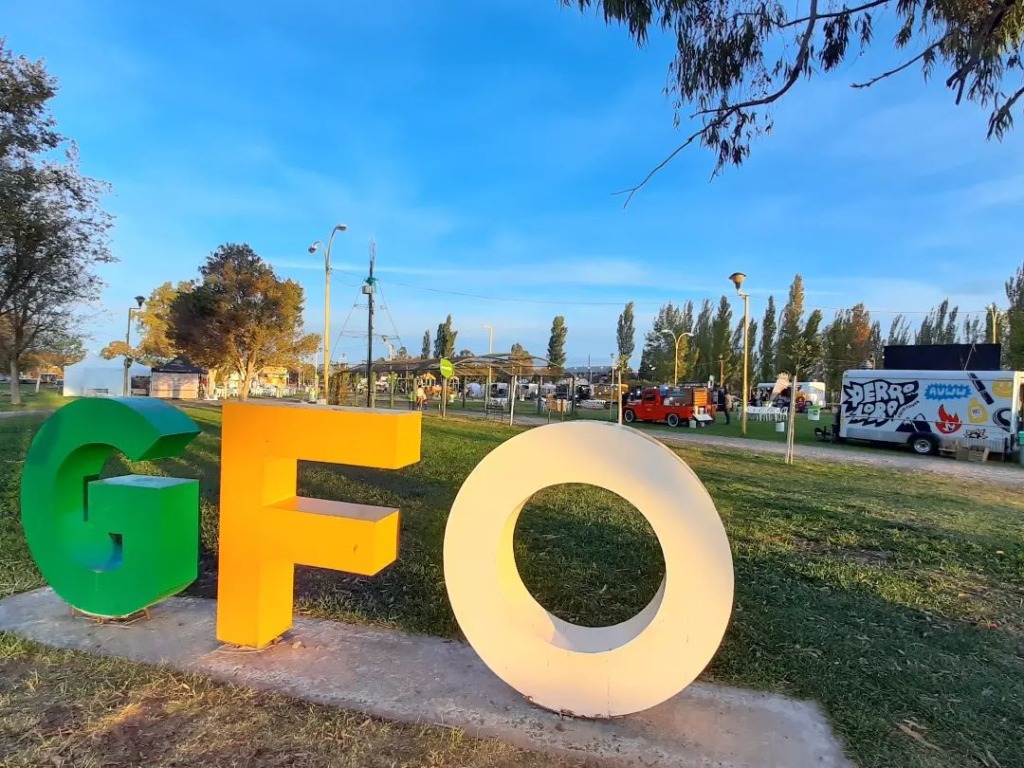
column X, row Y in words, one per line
column 429, row 680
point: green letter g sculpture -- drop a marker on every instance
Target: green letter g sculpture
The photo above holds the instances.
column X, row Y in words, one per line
column 110, row 547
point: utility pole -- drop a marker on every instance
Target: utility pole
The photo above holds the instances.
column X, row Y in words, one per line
column 368, row 290
column 721, row 371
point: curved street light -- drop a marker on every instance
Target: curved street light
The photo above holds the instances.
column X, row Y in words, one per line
column 313, row 248
column 677, row 338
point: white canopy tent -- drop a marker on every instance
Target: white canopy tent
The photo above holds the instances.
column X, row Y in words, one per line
column 96, row 377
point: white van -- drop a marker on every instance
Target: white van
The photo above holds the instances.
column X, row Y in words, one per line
column 928, row 409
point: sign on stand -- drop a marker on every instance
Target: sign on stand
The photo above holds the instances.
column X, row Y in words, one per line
column 447, row 369
column 814, row 413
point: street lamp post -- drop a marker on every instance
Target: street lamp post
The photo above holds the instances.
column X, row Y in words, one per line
column 490, row 351
column 140, row 300
column 317, row 245
column 677, row 338
column 737, row 280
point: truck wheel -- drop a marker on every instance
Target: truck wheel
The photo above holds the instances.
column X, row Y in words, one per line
column 629, row 416
column 923, row 445
column 673, row 420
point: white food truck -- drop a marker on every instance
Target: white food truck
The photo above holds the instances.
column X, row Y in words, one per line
column 929, row 409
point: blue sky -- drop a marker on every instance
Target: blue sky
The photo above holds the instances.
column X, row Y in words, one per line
column 479, row 144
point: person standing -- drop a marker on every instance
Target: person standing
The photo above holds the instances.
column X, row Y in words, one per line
column 421, row 397
column 724, row 402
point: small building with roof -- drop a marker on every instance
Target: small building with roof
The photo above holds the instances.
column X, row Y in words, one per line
column 179, row 380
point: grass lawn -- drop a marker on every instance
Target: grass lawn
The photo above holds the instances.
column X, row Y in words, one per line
column 895, row 601
column 47, row 397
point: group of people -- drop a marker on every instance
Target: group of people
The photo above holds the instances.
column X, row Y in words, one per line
column 417, row 398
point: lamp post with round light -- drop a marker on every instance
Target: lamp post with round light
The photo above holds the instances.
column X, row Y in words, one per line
column 490, row 351
column 140, row 300
column 737, row 280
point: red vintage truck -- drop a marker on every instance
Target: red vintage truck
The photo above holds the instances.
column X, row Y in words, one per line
column 689, row 406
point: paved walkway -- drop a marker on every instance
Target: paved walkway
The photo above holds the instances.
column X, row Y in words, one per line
column 1002, row 473
column 12, row 414
column 420, row 679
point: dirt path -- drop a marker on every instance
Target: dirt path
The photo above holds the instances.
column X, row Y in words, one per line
column 13, row 414
column 1002, row 473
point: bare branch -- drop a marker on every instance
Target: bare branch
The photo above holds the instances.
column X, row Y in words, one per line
column 835, row 14
column 901, row 67
column 721, row 114
column 1003, row 113
column 633, row 190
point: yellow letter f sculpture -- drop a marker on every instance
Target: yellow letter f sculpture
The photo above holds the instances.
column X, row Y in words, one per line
column 266, row 529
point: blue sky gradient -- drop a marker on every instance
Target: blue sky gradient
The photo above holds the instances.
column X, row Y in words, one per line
column 479, row 144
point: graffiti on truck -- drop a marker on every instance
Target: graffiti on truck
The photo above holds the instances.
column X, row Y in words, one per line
column 876, row 402
column 948, row 423
column 947, row 392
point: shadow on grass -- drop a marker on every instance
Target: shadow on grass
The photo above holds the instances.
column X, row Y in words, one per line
column 875, row 666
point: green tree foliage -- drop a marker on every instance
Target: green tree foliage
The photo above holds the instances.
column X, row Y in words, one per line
column 735, row 58
column 240, row 315
column 153, row 323
column 814, row 343
column 53, row 232
column 625, row 335
column 657, row 361
column 973, row 331
column 522, row 360
column 722, row 346
column 848, row 341
column 791, row 327
column 939, row 326
column 556, row 343
column 118, row 348
column 444, row 341
column 425, row 351
column 152, row 326
column 753, row 363
column 766, row 367
column 899, row 332
column 1014, row 321
column 60, row 350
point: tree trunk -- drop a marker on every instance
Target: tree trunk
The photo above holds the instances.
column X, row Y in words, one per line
column 39, row 378
column 243, row 387
column 15, row 381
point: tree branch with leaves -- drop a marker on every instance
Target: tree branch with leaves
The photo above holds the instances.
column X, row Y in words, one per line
column 736, row 58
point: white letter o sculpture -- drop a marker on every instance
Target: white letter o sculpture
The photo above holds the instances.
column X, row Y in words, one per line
column 589, row 672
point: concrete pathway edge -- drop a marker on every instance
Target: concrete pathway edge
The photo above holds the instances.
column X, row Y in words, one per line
column 429, row 680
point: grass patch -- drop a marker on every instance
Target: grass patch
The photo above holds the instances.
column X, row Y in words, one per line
column 46, row 398
column 60, row 708
column 894, row 600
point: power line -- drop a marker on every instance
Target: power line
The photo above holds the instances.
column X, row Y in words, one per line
column 570, row 302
